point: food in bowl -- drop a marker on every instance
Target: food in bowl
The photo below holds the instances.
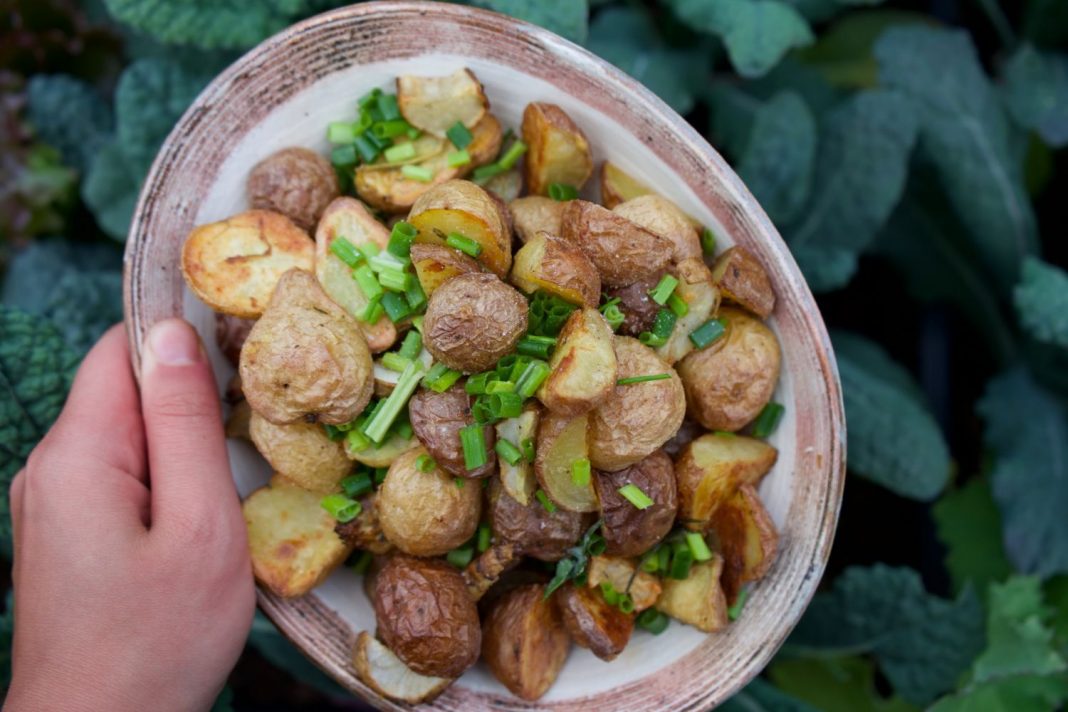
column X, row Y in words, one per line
column 529, row 419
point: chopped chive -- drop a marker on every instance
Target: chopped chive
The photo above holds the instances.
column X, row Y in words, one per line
column 531, row 379
column 341, row 507
column 460, row 557
column 610, row 594
column 536, row 346
column 678, row 305
column 735, row 609
column 612, row 313
column 333, row 432
column 500, row 387
column 681, row 561
column 373, row 311
column 385, row 262
column 400, row 152
column 663, row 289
column 482, row 540
column 367, row 282
column 395, row 306
column 387, row 105
column 425, row 463
column 344, row 157
column 580, row 472
column 626, row 603
column 369, row 250
column 511, row 454
column 417, row 173
column 345, row 252
column 380, row 475
column 710, row 331
column 473, row 441
column 547, row 503
column 394, row 361
column 508, row 158
column 527, row 445
column 482, row 174
column 663, row 557
column 357, row 485
column 364, row 122
column 367, row 148
column 768, row 420
column 653, row 621
column 440, row 378
column 362, row 563
column 663, row 325
column 390, row 129
column 460, row 135
column 562, row 191
column 458, row 158
column 724, row 434
column 642, row 379
column 394, row 280
column 415, row 295
column 650, row 563
column 403, row 429
column 477, row 382
column 412, row 345
column 505, row 405
column 698, row 546
column 368, row 100
column 380, row 422
column 481, row 411
column 400, row 240
column 463, row 244
column 633, row 494
column 708, row 241
column 340, row 132
column 356, row 441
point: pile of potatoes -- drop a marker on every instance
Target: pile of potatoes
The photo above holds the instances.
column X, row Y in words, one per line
column 290, row 315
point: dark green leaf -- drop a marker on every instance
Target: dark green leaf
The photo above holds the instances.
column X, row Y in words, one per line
column 1045, row 22
column 84, row 305
column 69, row 115
column 822, row 10
column 35, row 270
column 566, row 18
column 1036, row 91
column 834, row 684
column 272, row 645
column 110, row 190
column 969, row 526
column 225, row 701
column 732, row 112
column 208, row 24
column 7, row 634
column 1042, row 302
column 759, row 696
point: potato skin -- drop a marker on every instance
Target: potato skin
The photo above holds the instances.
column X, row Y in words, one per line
column 437, row 419
column 635, row 419
column 558, row 150
column 473, row 320
column 622, row 251
column 744, row 281
column 532, row 214
column 639, row 310
column 558, row 267
column 660, row 215
column 437, row 264
column 728, row 382
column 426, row 617
column 535, row 531
column 747, row 538
column 583, row 365
column 297, row 182
column 524, row 641
column 306, row 358
column 593, row 624
column 302, row 452
column 627, row 530
column 426, row 513
column 463, row 207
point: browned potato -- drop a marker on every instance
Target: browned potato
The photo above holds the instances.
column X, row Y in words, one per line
column 622, row 251
column 712, row 468
column 627, row 530
column 364, row 532
column 524, row 642
column 518, row 480
column 434, row 104
column 426, row 617
column 638, row 418
column 561, row 441
column 743, row 281
column 436, row 264
column 642, row 587
column 536, row 213
column 747, row 539
column 349, row 218
column 481, row 574
column 381, row 455
column 460, row 206
column 302, row 452
column 558, row 267
column 297, row 182
column 506, row 186
column 583, row 365
column 472, row 321
column 291, row 538
column 233, row 265
column 437, row 419
column 639, row 310
column 426, row 513
column 702, row 301
column 230, row 335
column 664, row 218
column 385, row 673
column 535, row 532
column 697, row 600
column 730, row 381
column 593, row 624
column 558, row 150
column 619, row 187
column 306, row 357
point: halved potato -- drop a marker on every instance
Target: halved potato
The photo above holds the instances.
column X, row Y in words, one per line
column 583, row 365
column 302, row 452
column 617, row 186
column 486, row 570
column 622, row 251
column 702, row 302
column 743, row 281
column 747, row 539
column 459, row 206
column 558, row 267
column 385, row 673
column 594, row 624
column 524, row 641
column 562, row 441
column 697, row 600
column 434, row 104
column 234, row 265
column 532, row 214
column 558, row 150
column 643, row 587
column 663, row 217
column 291, row 538
column 518, row 480
column 382, row 455
column 712, row 468
column 435, row 264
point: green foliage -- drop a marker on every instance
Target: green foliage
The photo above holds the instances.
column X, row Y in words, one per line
column 70, row 116
column 969, row 526
column 1036, row 92
column 1041, row 301
column 759, row 696
column 208, row 24
column 835, row 684
column 843, row 52
column 566, row 18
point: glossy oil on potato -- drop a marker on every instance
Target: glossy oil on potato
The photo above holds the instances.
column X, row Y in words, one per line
column 712, row 468
column 558, row 151
column 524, row 641
column 296, row 182
column 583, row 365
column 437, row 264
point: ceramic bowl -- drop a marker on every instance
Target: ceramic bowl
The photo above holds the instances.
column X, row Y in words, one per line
column 283, row 93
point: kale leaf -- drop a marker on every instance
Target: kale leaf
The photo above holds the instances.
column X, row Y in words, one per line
column 1041, row 301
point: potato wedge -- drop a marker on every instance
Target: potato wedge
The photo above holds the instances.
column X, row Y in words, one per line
column 617, row 186
column 524, row 641
column 436, row 264
column 365, row 532
column 558, row 267
column 622, row 251
column 507, row 186
column 459, row 206
column 593, row 624
column 643, row 588
column 747, row 539
column 697, row 600
column 385, row 673
column 743, row 281
column 518, row 480
column 348, row 218
column 301, row 452
column 382, row 455
column 434, row 104
column 558, row 150
column 702, row 302
column 561, row 441
column 291, row 538
column 712, row 468
column 234, row 265
column 583, row 365
column 536, row 213
column 660, row 215
column 489, row 566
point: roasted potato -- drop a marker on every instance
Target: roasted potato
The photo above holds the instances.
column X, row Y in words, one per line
column 619, row 187
column 712, row 468
column 592, row 623
column 558, row 150
column 583, row 365
column 461, row 207
column 434, row 104
column 436, row 264
column 506, row 186
column 698, row 599
column 524, row 642
column 481, row 574
column 558, row 267
column 234, row 265
column 381, row 455
column 306, row 358
column 297, row 182
column 642, row 587
column 744, row 282
column 663, row 217
column 364, row 532
column 562, row 440
column 746, row 537
column 437, row 419
column 534, row 531
column 426, row 617
column 518, row 480
column 532, row 214
column 702, row 302
column 386, row 378
column 291, row 538
column 627, row 530
column 348, row 218
column 472, row 321
column 230, row 335
column 302, row 452
column 385, row 673
column 730, row 381
column 639, row 309
column 638, row 418
column 426, row 513
column 622, row 251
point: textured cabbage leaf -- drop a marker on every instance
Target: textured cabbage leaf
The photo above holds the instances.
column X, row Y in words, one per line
column 834, row 684
column 1041, row 301
column 209, row 24
column 1036, row 92
column 566, row 18
column 969, row 526
column 70, row 116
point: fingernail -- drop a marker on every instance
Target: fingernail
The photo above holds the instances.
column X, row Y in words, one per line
column 174, row 343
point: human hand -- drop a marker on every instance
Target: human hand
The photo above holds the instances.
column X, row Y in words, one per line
column 133, row 586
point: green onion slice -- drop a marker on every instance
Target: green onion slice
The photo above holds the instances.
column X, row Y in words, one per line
column 425, row 463
column 421, row 174
column 460, row 135
column 412, row 345
column 708, row 241
column 441, row 378
column 482, row 539
column 344, row 251
column 698, row 546
column 341, row 507
column 464, row 244
column 643, row 379
column 381, row 421
column 400, row 152
column 508, row 452
column 458, row 158
column 508, row 159
column 547, row 503
column 735, row 609
column 562, row 191
column 768, row 420
column 460, row 557
column 357, row 485
column 709, row 332
column 633, row 494
column 580, row 472
column 664, row 289
column 473, row 441
column 653, row 621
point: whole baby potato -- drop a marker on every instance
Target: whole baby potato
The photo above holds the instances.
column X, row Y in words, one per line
column 627, row 530
column 297, row 182
column 473, row 320
column 437, row 419
column 622, row 251
column 302, row 452
column 537, row 532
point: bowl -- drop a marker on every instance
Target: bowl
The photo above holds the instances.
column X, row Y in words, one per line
column 284, row 91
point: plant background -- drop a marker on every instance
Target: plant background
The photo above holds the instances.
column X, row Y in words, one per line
column 910, row 152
